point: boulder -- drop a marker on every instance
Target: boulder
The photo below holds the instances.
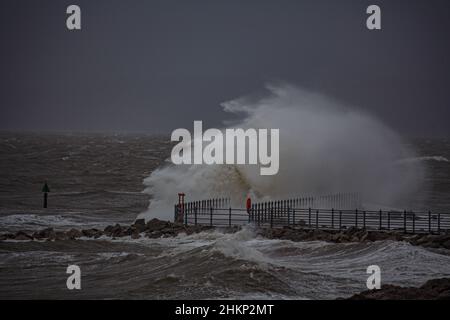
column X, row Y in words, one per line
column 351, row 231
column 73, row 234
column 91, row 233
column 108, row 230
column 442, row 239
column 156, row 225
column 140, row 222
column 135, row 235
column 140, row 225
column 20, row 235
column 446, row 244
column 117, row 231
column 59, row 235
column 364, row 236
column 44, row 234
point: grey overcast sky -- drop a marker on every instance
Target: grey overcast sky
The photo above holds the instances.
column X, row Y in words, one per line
column 154, row 66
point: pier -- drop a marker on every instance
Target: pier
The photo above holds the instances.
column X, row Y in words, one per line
column 311, row 213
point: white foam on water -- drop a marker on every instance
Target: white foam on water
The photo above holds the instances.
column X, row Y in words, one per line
column 16, row 222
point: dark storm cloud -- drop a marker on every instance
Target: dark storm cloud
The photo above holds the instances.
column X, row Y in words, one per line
column 154, row 66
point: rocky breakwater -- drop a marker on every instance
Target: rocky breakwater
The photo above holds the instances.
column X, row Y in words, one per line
column 355, row 235
column 436, row 289
column 157, row 228
column 152, row 229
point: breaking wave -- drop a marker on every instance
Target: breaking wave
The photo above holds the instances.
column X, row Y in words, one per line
column 325, row 147
column 243, row 265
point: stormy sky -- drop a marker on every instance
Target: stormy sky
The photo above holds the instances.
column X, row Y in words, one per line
column 154, row 66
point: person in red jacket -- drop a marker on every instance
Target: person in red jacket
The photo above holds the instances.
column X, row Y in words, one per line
column 249, row 204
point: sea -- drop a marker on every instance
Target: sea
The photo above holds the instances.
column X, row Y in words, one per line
column 96, row 180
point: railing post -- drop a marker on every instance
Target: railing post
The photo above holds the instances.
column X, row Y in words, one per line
column 289, row 216
column 332, row 218
column 389, row 220
column 404, row 221
column 229, row 217
column 195, row 215
column 364, row 219
column 340, row 219
column 439, row 223
column 185, row 216
column 211, row 216
column 309, row 217
column 381, row 221
column 356, row 218
column 293, row 217
column 317, row 219
column 429, row 221
column 258, row 213
column 266, row 207
column 271, row 217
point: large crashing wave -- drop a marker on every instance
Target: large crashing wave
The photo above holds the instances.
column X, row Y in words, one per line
column 325, row 148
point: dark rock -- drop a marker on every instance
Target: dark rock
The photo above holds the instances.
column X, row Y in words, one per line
column 351, row 231
column 73, row 234
column 364, row 236
column 20, row 235
column 139, row 222
column 92, row 233
column 431, row 244
column 446, row 244
column 336, row 238
column 117, row 231
column 427, row 239
column 377, row 236
column 431, row 290
column 442, row 239
column 108, row 230
column 129, row 231
column 59, row 235
column 135, row 235
column 140, row 225
column 44, row 234
column 156, row 225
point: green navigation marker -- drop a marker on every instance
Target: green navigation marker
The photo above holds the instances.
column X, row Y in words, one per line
column 45, row 190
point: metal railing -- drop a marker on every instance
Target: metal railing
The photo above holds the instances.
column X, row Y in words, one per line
column 279, row 214
column 405, row 221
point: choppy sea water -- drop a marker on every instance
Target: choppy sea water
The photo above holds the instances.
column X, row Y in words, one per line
column 96, row 180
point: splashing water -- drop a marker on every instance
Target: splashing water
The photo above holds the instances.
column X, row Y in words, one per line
column 325, row 148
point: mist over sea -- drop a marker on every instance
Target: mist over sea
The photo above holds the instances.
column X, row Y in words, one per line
column 97, row 180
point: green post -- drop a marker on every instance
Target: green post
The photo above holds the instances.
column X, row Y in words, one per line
column 45, row 190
